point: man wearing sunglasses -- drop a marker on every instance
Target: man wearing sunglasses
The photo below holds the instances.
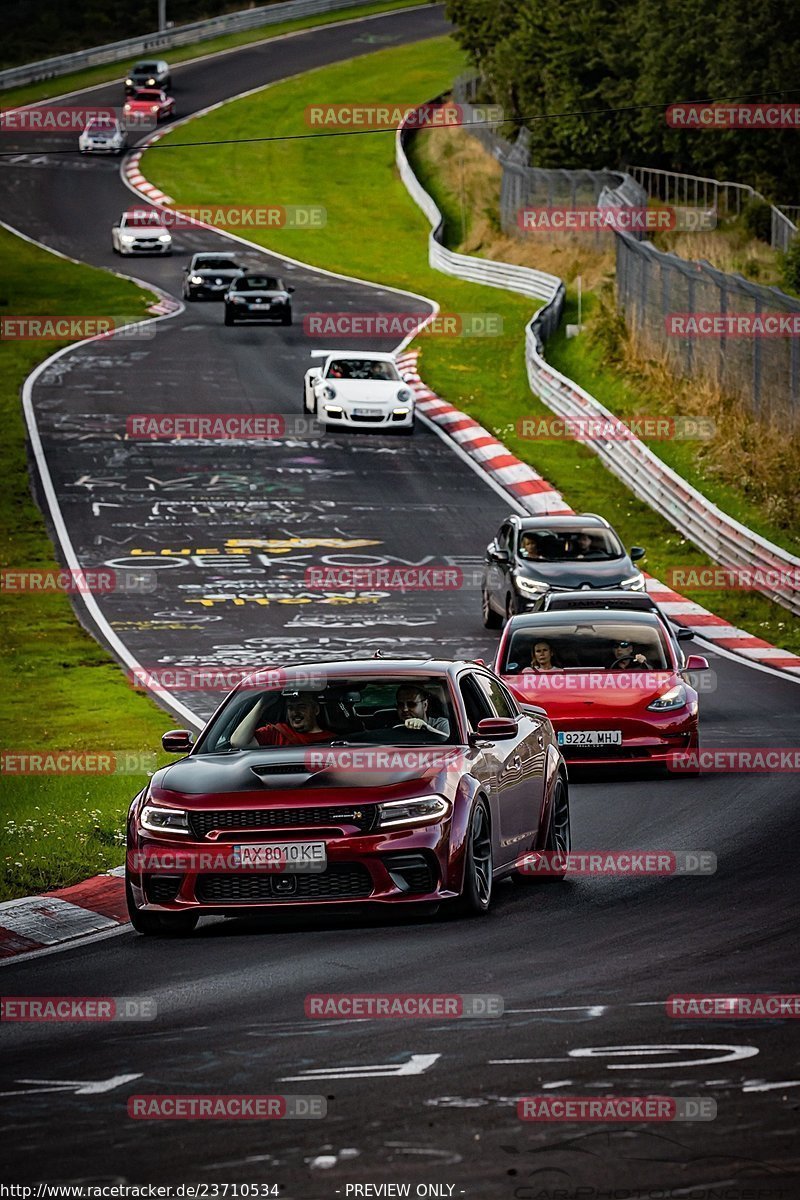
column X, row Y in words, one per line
column 627, row 659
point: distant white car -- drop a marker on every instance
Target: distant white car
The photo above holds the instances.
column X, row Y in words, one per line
column 103, row 135
column 141, row 231
column 358, row 389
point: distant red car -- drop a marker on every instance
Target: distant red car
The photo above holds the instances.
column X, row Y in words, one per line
column 387, row 782
column 148, row 106
column 610, row 681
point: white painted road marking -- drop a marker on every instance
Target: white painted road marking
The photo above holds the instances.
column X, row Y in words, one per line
column 80, row 1087
column 416, row 1064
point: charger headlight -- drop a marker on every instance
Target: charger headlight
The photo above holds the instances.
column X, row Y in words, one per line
column 156, row 819
column 423, row 810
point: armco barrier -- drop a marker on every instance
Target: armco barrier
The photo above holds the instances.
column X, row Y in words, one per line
column 184, row 35
column 725, row 540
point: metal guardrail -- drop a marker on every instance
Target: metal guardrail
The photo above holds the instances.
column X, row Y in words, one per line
column 722, row 195
column 725, row 540
column 184, row 35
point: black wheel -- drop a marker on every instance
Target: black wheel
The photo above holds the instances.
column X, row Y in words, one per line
column 158, row 924
column 511, row 608
column 229, row 318
column 477, row 893
column 491, row 619
column 559, row 835
column 286, row 319
column 190, row 296
column 407, row 430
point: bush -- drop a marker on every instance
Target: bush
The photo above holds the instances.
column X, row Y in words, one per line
column 791, row 266
column 757, row 219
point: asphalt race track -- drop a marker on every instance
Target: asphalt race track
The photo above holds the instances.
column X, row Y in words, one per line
column 584, row 968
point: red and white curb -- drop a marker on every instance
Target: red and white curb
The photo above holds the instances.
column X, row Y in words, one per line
column 516, row 477
column 38, row 922
column 540, row 498
column 137, row 180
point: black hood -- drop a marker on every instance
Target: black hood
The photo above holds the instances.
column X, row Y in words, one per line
column 217, row 775
column 603, row 573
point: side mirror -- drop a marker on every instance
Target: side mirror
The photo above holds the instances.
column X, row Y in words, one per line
column 497, row 728
column 637, row 552
column 178, row 741
column 696, row 662
column 685, row 635
column 290, row 289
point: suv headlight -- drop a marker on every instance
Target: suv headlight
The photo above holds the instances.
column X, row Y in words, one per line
column 530, row 587
column 164, row 820
column 675, row 697
column 422, row 811
column 634, row 584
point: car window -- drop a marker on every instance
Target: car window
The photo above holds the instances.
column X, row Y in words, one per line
column 266, row 283
column 504, row 537
column 496, row 695
column 362, row 368
column 475, row 702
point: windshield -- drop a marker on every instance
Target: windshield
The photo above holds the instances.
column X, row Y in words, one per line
column 146, row 68
column 215, row 264
column 564, row 545
column 414, row 711
column 361, row 368
column 607, row 646
column 144, row 94
column 264, row 283
column 102, row 126
column 142, row 220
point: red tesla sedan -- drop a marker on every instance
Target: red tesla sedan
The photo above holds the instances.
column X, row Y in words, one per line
column 386, row 782
column 610, row 681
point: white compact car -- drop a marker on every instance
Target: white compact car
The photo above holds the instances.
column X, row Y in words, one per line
column 103, row 136
column 358, row 389
column 141, row 231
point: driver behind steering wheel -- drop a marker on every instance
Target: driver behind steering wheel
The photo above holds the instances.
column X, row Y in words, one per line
column 412, row 708
column 627, row 659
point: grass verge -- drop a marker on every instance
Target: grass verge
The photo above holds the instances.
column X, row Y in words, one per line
column 59, row 690
column 357, row 181
column 108, row 72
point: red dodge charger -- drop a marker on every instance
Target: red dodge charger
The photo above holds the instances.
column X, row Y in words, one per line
column 375, row 782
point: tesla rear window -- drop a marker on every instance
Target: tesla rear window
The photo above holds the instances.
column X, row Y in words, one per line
column 587, row 647
column 353, row 711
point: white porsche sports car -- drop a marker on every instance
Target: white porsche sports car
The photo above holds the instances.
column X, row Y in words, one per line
column 358, row 389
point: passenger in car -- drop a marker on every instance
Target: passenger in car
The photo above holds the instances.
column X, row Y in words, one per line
column 542, row 660
column 301, row 727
